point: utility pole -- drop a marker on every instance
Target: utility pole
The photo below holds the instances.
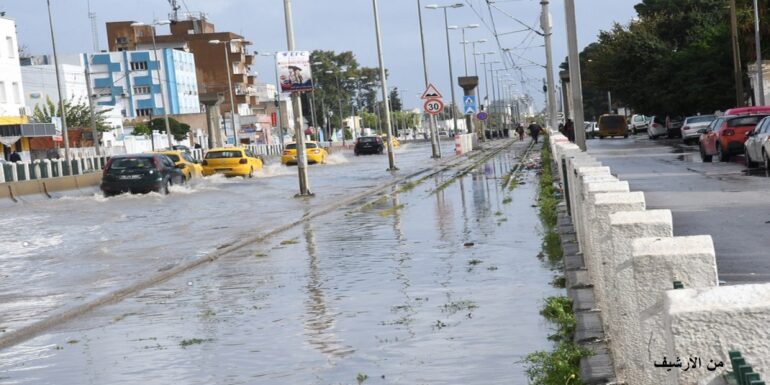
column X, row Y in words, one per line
column 432, row 127
column 451, row 75
column 738, row 71
column 65, row 134
column 384, row 85
column 609, row 101
column 545, row 24
column 90, row 91
column 296, row 103
column 760, row 67
column 574, row 74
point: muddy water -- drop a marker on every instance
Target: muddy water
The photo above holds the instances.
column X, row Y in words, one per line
column 388, row 292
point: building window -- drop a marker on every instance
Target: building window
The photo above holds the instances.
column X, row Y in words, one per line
column 122, row 40
column 138, row 65
column 142, row 90
column 9, row 44
column 16, row 93
column 143, row 111
column 3, row 98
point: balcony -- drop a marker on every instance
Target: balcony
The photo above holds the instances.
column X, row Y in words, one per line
column 240, row 78
column 249, row 60
column 252, row 79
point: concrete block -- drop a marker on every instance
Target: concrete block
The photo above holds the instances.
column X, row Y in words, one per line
column 624, row 330
column 601, row 207
column 59, row 168
column 15, row 172
column 588, row 220
column 576, row 173
column 708, row 322
column 657, row 263
column 47, row 168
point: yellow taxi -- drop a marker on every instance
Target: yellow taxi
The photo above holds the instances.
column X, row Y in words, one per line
column 396, row 142
column 231, row 161
column 189, row 166
column 314, row 153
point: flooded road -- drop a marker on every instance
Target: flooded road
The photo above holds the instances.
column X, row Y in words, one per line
column 433, row 283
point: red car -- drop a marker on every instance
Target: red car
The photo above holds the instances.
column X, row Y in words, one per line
column 726, row 135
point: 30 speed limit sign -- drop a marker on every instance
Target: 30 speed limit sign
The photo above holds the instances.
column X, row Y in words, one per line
column 434, row 106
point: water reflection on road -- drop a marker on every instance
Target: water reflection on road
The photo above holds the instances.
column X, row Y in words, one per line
column 427, row 285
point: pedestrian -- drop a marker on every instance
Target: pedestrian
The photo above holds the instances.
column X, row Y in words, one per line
column 569, row 130
column 520, row 131
column 15, row 157
column 534, row 131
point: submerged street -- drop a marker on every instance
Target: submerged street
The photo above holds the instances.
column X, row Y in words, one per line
column 433, row 280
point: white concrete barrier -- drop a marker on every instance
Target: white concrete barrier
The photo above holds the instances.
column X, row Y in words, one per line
column 709, row 322
column 623, row 321
column 47, row 167
column 15, row 171
column 590, row 190
column 657, row 264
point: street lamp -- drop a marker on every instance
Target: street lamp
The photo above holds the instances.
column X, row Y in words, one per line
column 226, row 44
column 357, row 81
column 449, row 55
column 339, row 101
column 465, row 44
column 474, row 54
column 435, row 148
column 157, row 72
column 279, row 121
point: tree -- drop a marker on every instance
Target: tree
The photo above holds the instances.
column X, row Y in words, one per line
column 78, row 114
column 395, row 100
column 178, row 130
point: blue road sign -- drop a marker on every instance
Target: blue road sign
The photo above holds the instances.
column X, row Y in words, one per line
column 482, row 116
column 469, row 105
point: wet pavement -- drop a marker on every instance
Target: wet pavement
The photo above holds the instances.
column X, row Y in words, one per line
column 724, row 200
column 387, row 291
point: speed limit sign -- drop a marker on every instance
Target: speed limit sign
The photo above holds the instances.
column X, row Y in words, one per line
column 434, row 106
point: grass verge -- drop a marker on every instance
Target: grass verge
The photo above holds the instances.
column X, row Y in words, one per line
column 561, row 365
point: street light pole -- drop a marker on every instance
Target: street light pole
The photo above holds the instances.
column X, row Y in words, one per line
column 432, row 127
column 65, row 134
column 464, row 43
column 304, row 189
column 545, row 24
column 574, row 74
column 451, row 75
column 384, row 85
column 758, row 46
column 162, row 90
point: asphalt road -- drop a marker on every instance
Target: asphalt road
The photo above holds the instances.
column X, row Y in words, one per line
column 720, row 199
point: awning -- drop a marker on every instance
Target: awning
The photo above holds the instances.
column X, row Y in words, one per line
column 28, row 130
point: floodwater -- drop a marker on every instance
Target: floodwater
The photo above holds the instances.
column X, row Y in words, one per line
column 423, row 285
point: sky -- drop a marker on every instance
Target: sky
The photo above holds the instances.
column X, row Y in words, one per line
column 345, row 25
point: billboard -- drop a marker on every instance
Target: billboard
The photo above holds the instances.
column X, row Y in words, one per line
column 294, row 71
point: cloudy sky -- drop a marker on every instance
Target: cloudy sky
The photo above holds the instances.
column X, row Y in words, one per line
column 342, row 25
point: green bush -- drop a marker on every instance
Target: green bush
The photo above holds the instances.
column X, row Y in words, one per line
column 558, row 367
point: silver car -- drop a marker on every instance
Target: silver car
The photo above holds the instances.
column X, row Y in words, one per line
column 757, row 144
column 691, row 126
column 639, row 123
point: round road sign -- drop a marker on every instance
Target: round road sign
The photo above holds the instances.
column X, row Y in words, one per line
column 482, row 116
column 434, row 106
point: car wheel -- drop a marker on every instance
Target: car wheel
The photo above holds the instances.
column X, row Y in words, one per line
column 251, row 172
column 165, row 189
column 749, row 162
column 766, row 160
column 705, row 158
column 625, row 136
column 723, row 156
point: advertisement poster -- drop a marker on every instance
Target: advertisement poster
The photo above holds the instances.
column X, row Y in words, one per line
column 294, row 71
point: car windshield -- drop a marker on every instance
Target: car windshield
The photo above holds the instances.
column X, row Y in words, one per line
column 659, row 120
column 700, row 119
column 613, row 122
column 744, row 121
column 311, row 145
column 223, row 154
column 131, row 163
column 173, row 157
column 367, row 139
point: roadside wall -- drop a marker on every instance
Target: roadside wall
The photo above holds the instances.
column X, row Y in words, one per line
column 657, row 295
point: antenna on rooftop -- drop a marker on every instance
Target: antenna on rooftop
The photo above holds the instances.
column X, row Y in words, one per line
column 175, row 8
column 94, row 32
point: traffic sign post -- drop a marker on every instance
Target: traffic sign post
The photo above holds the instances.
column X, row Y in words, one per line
column 433, row 106
column 469, row 105
column 431, row 93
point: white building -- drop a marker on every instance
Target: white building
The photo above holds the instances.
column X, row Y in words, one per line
column 11, row 89
column 40, row 84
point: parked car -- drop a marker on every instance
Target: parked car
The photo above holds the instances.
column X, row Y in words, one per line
column 612, row 125
column 757, row 145
column 183, row 148
column 231, row 161
column 674, row 126
column 140, row 173
column 656, row 127
column 692, row 124
column 747, row 110
column 369, row 145
column 639, row 123
column 313, row 152
column 591, row 129
column 190, row 167
column 726, row 136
